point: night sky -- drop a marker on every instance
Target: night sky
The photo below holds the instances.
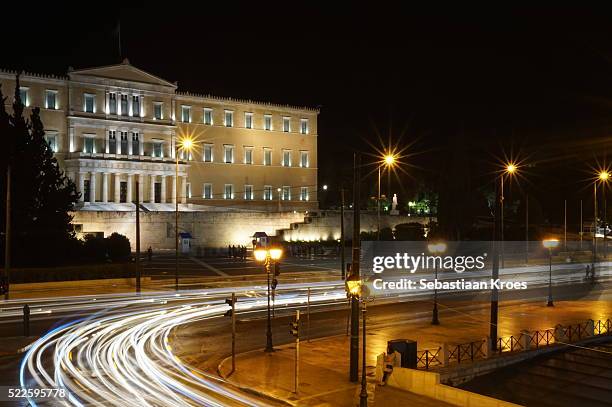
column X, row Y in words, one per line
column 533, row 84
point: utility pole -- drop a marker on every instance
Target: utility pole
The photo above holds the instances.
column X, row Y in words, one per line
column 526, row 228
column 581, row 224
column 7, row 234
column 495, row 268
column 354, row 347
column 342, row 241
column 137, row 237
column 176, row 219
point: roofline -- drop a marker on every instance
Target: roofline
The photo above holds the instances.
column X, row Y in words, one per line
column 124, row 63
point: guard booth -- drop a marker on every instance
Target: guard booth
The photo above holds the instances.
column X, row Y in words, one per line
column 260, row 239
column 185, row 242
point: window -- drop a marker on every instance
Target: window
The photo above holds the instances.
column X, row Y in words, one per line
column 23, row 95
column 87, row 190
column 267, row 122
column 112, row 103
column 303, row 193
column 286, row 124
column 51, row 139
column 267, row 156
column 157, row 110
column 229, row 118
column 112, row 141
column 207, row 155
column 89, row 103
column 135, row 105
column 286, row 193
column 267, row 193
column 186, row 114
column 135, row 143
column 248, row 192
column 286, row 158
column 228, row 154
column 124, row 105
column 207, row 191
column 228, row 191
column 123, row 191
column 51, row 99
column 248, row 120
column 248, row 155
column 88, row 144
column 208, row 119
column 304, row 126
column 124, row 143
column 157, row 149
column 304, row 161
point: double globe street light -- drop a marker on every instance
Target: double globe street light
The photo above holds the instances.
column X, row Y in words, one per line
column 436, row 249
column 550, row 244
column 269, row 257
column 355, row 288
column 388, row 161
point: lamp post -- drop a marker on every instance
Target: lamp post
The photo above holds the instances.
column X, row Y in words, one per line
column 509, row 170
column 388, row 161
column 436, row 249
column 268, row 257
column 550, row 244
column 184, row 144
column 602, row 177
column 356, row 291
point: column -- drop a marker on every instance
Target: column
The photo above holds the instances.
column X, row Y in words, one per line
column 141, row 188
column 117, row 188
column 105, row 187
column 118, row 142
column 174, row 189
column 129, row 188
column 152, row 191
column 92, row 187
column 184, row 190
column 71, row 139
column 106, row 103
column 107, row 138
column 82, row 186
column 130, row 143
column 141, row 143
column 141, row 104
column 129, row 96
column 163, row 189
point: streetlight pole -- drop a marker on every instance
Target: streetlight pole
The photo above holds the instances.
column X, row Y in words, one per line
column 436, row 249
column 342, row 242
column 268, row 257
column 7, row 234
column 269, row 346
column 354, row 342
column 550, row 244
column 526, row 228
column 363, row 396
column 501, row 210
column 594, row 227
column 176, row 219
column 378, row 208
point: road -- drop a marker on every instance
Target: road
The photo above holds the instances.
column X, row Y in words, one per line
column 119, row 352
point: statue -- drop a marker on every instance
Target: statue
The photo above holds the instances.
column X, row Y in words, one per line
column 394, row 210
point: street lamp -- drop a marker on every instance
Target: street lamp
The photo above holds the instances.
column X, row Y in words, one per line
column 550, row 244
column 355, row 289
column 436, row 249
column 388, row 161
column 184, row 144
column 602, row 176
column 509, row 170
column 268, row 257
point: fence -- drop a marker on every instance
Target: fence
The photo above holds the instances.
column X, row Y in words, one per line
column 527, row 340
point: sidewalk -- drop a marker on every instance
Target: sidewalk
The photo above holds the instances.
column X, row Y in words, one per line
column 324, row 362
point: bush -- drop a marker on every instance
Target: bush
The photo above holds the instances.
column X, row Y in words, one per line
column 94, row 249
column 118, row 247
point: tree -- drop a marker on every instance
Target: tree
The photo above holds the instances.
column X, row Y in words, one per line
column 118, row 247
column 42, row 195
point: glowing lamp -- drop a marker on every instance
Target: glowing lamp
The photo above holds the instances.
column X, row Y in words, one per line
column 276, row 253
column 437, row 248
column 353, row 285
column 550, row 243
column 260, row 254
column 389, row 159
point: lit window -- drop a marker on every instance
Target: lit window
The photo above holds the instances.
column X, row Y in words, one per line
column 208, row 119
column 157, row 149
column 186, row 114
column 267, row 156
column 228, row 191
column 124, row 105
column 89, row 145
column 304, row 161
column 135, row 143
column 267, row 193
column 135, row 105
column 112, row 103
column 208, row 153
column 303, row 193
column 23, row 95
column 286, row 124
column 286, row 193
column 248, row 120
column 51, row 99
column 51, row 138
column 268, row 122
column 112, row 141
column 229, row 118
column 207, row 191
column 89, row 102
column 304, row 126
column 158, row 111
column 228, row 154
column 248, row 155
column 124, row 142
column 248, row 192
column 286, row 158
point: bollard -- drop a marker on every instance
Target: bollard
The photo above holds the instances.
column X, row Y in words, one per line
column 26, row 320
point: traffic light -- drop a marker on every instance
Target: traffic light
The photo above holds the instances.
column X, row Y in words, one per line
column 276, row 269
column 231, row 303
column 294, row 328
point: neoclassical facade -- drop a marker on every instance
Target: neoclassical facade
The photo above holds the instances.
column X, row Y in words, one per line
column 115, row 129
